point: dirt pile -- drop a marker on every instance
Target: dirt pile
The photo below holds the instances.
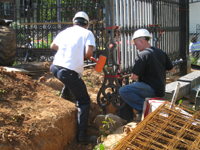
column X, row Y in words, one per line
column 33, row 116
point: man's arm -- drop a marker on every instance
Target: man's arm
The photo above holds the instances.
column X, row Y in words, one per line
column 54, row 46
column 172, row 70
column 88, row 52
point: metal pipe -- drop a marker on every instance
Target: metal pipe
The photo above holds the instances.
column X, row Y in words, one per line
column 118, row 24
column 132, row 27
column 112, row 19
column 107, row 25
column 121, row 34
column 125, row 34
column 129, row 34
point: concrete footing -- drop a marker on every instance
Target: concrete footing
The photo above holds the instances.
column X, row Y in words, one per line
column 170, row 88
column 187, row 83
column 193, row 78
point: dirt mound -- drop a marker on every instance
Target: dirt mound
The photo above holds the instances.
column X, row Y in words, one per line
column 32, row 114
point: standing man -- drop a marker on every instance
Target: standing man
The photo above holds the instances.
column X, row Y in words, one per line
column 194, row 45
column 150, row 70
column 74, row 45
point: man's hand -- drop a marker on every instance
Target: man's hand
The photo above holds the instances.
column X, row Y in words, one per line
column 172, row 70
column 134, row 77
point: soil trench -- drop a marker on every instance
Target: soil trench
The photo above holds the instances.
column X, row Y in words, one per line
column 33, row 116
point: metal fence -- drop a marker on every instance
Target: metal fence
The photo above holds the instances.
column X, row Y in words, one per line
column 168, row 24
column 38, row 22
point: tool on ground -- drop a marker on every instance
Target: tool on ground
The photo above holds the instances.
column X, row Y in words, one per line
column 100, row 62
column 175, row 95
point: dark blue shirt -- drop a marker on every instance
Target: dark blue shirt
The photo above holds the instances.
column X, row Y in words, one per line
column 151, row 65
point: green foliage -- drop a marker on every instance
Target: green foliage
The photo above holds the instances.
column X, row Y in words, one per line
column 106, row 125
column 90, row 84
column 15, row 63
column 58, row 93
column 14, row 119
column 48, row 13
column 195, row 60
column 2, row 91
column 16, row 25
column 21, row 36
column 99, row 147
column 18, row 114
column 51, row 14
column 0, row 78
column 179, row 102
column 43, row 43
column 100, row 110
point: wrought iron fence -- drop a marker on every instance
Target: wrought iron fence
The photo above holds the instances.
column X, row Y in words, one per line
column 38, row 22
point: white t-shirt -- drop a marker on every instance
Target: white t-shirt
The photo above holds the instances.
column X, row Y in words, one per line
column 194, row 46
column 71, row 43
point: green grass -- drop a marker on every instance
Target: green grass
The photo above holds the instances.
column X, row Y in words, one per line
column 195, row 60
column 2, row 91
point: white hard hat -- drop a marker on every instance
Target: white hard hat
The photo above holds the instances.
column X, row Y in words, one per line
column 81, row 14
column 141, row 33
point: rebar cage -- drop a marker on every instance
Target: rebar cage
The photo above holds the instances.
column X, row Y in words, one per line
column 165, row 128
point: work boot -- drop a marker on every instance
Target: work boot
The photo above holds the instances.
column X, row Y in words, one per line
column 83, row 138
column 126, row 113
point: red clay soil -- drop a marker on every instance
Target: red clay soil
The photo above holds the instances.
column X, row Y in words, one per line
column 33, row 116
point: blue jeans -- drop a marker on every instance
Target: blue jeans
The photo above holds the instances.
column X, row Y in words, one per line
column 71, row 80
column 134, row 95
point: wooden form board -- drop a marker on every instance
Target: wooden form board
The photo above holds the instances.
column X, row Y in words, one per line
column 23, row 71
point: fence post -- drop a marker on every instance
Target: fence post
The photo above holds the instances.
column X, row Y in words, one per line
column 59, row 13
column 184, row 36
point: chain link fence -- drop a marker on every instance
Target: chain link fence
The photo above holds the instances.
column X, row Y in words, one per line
column 194, row 20
column 194, row 28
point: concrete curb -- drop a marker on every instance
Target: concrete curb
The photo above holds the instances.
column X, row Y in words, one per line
column 187, row 82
